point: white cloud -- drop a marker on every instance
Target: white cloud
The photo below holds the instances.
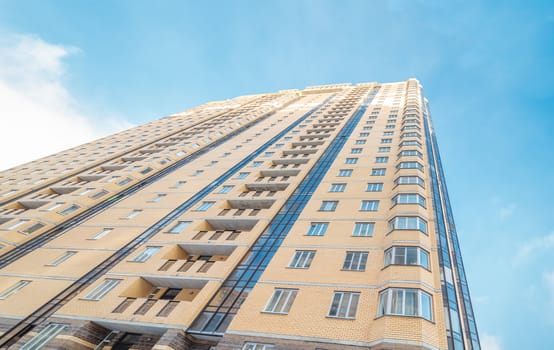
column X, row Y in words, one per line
column 490, row 342
column 38, row 115
column 534, row 246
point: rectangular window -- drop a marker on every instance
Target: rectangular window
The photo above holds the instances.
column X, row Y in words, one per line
column 369, row 206
column 158, row 198
column 408, row 198
column 179, row 227
column 344, row 305
column 364, row 134
column 317, row 229
column 257, row 346
column 281, row 300
column 146, row 254
column 345, row 172
column 378, row 171
column 205, row 206
column 337, row 188
column 381, row 159
column 124, row 181
column 383, row 149
column 69, row 210
column 302, row 259
column 226, row 189
column 133, row 214
column 54, row 206
column 410, row 153
column 363, row 229
column 410, row 180
column 102, row 289
column 268, row 154
column 257, row 163
column 14, row 289
column 360, row 142
column 408, row 223
column 356, row 150
column 198, row 173
column 179, row 184
column 242, row 175
column 62, row 258
column 351, row 161
column 405, row 302
column 355, row 261
column 99, row 194
column 388, row 133
column 410, row 165
column 46, row 334
column 410, row 143
column 101, row 233
column 328, row 205
column 34, row 227
column 386, row 140
column 374, row 187
column 406, row 256
column 17, row 224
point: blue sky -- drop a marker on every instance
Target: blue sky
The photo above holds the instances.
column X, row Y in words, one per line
column 93, row 67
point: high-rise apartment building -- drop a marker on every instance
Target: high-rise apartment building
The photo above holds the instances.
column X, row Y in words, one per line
column 303, row 219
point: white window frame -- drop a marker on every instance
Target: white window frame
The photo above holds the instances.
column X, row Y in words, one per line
column 302, row 259
column 317, row 229
column 146, row 253
column 355, row 261
column 68, row 254
column 369, row 205
column 102, row 289
column 179, row 227
column 281, row 301
column 44, row 336
column 14, row 289
column 393, row 302
column 346, row 305
column 363, row 229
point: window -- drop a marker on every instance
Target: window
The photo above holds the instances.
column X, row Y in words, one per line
column 85, row 191
column 146, row 254
column 408, row 198
column 124, row 181
column 410, row 165
column 351, row 161
column 268, row 154
column 328, row 205
column 383, row 149
column 302, row 259
column 364, row 134
column 198, row 172
column 345, row 172
column 410, row 143
column 367, row 128
column 256, row 346
column 360, row 142
column 356, row 150
column 406, row 256
column 54, row 206
column 378, row 171
column 363, row 229
column 99, row 194
column 69, row 210
column 411, row 134
column 405, row 302
column 102, row 289
column 388, row 133
column 101, row 233
column 46, row 334
column 381, row 159
column 408, row 223
column 179, row 184
column 411, row 152
column 281, row 300
column 337, row 188
column 355, row 261
column 179, row 227
column 158, row 197
column 205, row 206
column 410, row 180
column 34, row 227
column 390, row 126
column 374, row 187
column 14, row 289
column 62, row 258
column 257, row 163
column 226, row 189
column 317, row 229
column 133, row 214
column 386, row 140
column 369, row 206
column 344, row 305
column 242, row 175
column 17, row 224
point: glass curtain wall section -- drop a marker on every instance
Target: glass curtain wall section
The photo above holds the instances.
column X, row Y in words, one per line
column 219, row 312
column 454, row 285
